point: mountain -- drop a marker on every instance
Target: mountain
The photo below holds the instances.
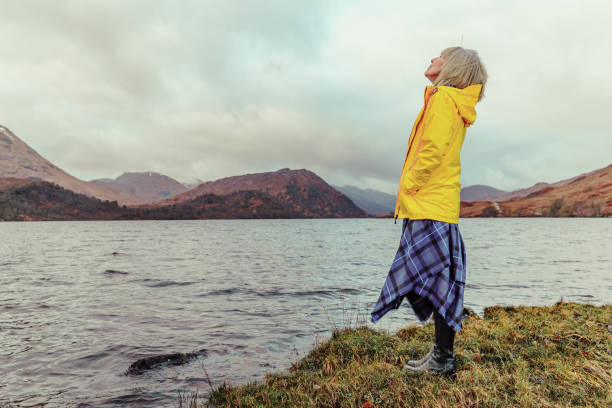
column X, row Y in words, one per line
column 302, row 190
column 524, row 192
column 27, row 200
column 282, row 194
column 480, row 192
column 239, row 204
column 486, row 193
column 587, row 195
column 18, row 160
column 145, row 187
column 371, row 201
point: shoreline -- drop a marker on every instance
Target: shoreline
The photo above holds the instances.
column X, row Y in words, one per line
column 529, row 356
column 30, row 219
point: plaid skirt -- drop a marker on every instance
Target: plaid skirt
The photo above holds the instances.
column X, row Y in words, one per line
column 428, row 269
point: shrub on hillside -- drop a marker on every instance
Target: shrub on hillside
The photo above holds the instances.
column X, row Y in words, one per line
column 560, row 208
column 489, row 211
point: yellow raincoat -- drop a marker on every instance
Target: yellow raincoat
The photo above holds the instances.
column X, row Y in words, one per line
column 429, row 187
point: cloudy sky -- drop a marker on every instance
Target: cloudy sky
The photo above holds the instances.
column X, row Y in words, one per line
column 209, row 89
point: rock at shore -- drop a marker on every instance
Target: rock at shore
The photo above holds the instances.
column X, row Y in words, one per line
column 154, row 362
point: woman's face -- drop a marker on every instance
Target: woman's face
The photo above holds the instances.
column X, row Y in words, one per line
column 434, row 69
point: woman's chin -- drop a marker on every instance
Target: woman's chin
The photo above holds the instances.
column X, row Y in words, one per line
column 431, row 78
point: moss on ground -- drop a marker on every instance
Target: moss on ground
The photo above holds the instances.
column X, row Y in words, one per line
column 557, row 356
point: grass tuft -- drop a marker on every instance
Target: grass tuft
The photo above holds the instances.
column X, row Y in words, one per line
column 554, row 356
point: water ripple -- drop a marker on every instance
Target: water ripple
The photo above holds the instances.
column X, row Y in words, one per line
column 81, row 301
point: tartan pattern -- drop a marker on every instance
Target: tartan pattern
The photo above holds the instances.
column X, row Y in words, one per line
column 428, row 269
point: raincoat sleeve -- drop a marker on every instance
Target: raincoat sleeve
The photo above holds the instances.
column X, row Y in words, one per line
column 436, row 139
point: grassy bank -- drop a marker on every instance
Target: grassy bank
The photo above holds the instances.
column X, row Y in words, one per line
column 555, row 356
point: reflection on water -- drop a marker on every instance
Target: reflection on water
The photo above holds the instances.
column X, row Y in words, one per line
column 81, row 301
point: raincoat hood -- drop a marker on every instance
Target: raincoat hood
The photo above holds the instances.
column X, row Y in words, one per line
column 465, row 99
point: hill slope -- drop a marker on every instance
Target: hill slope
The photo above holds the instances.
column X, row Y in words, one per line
column 481, row 192
column 18, row 160
column 145, row 187
column 27, row 200
column 589, row 194
column 301, row 190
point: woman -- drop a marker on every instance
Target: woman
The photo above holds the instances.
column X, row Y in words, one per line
column 429, row 267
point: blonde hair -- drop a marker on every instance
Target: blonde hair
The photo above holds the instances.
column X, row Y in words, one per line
column 462, row 68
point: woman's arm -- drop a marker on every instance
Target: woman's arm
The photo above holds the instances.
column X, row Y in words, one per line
column 441, row 123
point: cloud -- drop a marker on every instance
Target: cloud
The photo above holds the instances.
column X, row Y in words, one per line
column 209, row 89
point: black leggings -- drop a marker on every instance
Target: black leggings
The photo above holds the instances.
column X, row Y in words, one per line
column 445, row 336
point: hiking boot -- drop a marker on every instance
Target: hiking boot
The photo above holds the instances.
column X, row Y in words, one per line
column 416, row 363
column 440, row 362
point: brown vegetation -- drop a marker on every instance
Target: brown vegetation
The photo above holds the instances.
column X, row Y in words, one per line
column 25, row 200
column 588, row 195
column 301, row 191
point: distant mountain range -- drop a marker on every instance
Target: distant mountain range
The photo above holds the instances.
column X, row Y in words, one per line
column 372, row 201
column 486, row 193
column 33, row 188
column 305, row 196
column 302, row 190
column 27, row 200
column 586, row 195
column 479, row 192
column 144, row 187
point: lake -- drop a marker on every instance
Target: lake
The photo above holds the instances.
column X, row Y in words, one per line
column 81, row 301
